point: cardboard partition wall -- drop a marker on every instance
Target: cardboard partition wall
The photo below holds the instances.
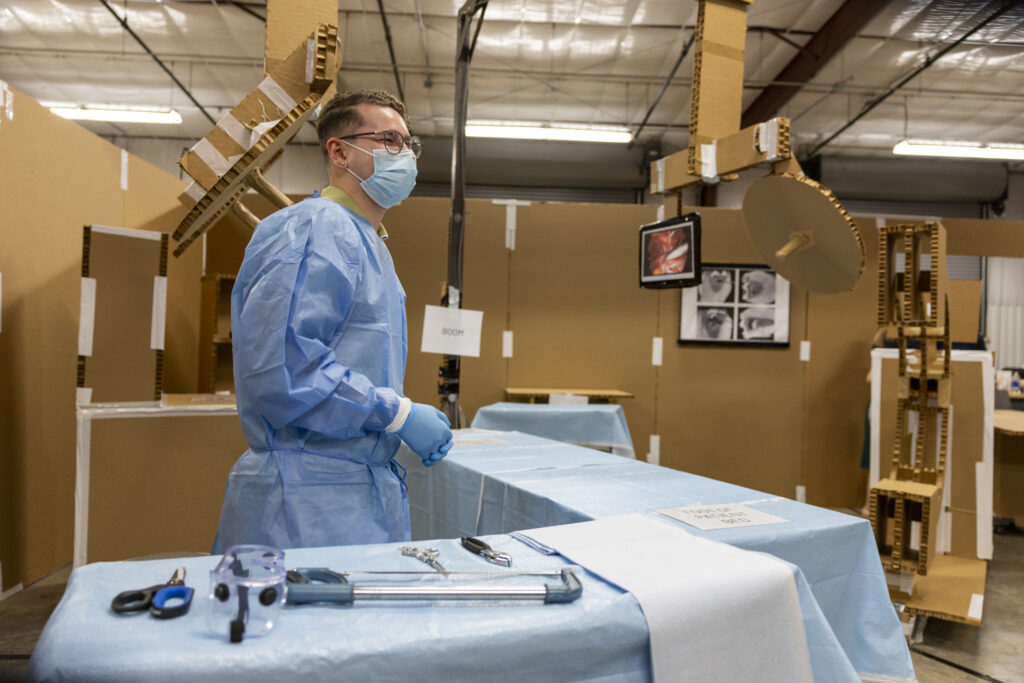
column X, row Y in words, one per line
column 151, row 479
column 122, row 316
column 41, row 270
column 1009, row 465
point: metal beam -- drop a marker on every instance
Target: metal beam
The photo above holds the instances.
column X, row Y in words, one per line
column 124, row 25
column 869, row 106
column 834, row 34
column 668, row 81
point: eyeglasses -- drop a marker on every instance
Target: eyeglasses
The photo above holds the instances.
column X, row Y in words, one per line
column 394, row 141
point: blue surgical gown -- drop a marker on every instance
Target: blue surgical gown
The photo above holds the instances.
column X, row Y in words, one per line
column 319, row 340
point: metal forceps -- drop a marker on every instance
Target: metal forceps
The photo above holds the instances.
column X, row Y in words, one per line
column 155, row 598
column 428, row 555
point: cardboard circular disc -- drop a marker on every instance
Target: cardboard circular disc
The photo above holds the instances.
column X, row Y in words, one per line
column 776, row 208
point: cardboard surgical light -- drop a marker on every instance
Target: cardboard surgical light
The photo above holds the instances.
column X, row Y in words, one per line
column 232, row 157
column 796, row 224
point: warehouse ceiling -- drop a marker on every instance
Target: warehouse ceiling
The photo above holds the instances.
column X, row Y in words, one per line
column 551, row 61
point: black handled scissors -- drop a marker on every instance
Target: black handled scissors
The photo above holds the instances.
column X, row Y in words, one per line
column 155, row 598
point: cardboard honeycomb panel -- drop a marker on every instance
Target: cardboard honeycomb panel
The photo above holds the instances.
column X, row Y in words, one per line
column 954, row 590
column 261, row 124
column 735, row 152
column 288, row 22
column 915, row 295
column 176, row 466
column 717, row 91
column 966, row 446
column 122, row 266
column 905, row 518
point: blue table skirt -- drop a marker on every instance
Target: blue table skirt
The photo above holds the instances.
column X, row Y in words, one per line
column 498, row 482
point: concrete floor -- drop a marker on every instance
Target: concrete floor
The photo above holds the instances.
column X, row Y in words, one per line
column 950, row 652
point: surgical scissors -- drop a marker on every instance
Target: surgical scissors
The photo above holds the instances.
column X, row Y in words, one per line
column 155, row 598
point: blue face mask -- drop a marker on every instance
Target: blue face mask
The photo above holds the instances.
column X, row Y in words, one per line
column 393, row 177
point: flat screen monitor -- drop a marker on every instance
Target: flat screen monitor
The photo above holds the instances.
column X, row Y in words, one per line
column 670, row 252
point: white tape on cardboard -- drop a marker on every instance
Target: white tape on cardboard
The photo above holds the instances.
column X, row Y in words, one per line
column 654, row 449
column 83, row 396
column 454, row 297
column 510, row 227
column 506, row 344
column 82, row 444
column 236, row 131
column 659, row 167
column 661, row 213
column 983, row 493
column 915, row 535
column 127, row 232
column 195, row 191
column 556, row 398
column 985, row 476
column 656, row 350
column 212, row 157
column 805, row 350
column 86, row 316
column 768, row 139
column 7, row 100
column 801, row 493
column 976, row 606
column 709, row 162
column 124, row 169
column 904, row 581
column 452, row 331
column 310, row 59
column 281, row 99
column 159, row 323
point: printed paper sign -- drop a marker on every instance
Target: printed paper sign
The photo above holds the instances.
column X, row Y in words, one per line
column 452, row 331
column 724, row 516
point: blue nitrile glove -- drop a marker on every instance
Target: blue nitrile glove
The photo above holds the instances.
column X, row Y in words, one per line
column 427, row 432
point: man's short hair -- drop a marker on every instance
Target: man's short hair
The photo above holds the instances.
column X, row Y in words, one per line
column 340, row 115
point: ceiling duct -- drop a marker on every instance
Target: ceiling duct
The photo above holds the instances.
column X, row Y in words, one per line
column 914, row 180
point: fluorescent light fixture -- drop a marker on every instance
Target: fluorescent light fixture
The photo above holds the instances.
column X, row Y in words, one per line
column 96, row 112
column 523, row 130
column 962, row 150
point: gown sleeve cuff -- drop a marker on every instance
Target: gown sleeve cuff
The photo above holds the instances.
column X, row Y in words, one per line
column 404, row 408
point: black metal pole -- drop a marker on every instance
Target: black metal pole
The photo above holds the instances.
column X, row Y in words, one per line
column 391, row 48
column 448, row 386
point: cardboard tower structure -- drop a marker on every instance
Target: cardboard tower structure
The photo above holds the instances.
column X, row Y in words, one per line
column 912, row 304
column 796, row 224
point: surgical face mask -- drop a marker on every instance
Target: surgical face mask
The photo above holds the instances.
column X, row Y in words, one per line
column 393, row 177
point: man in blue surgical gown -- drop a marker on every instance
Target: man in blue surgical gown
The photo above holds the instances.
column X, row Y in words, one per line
column 319, row 340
